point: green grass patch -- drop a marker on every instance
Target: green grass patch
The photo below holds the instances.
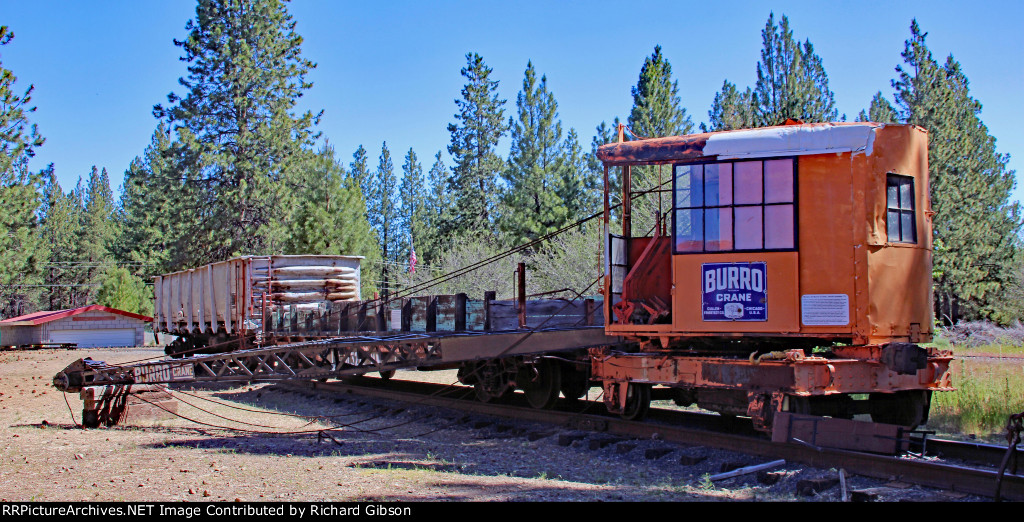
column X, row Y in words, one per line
column 995, row 350
column 988, row 392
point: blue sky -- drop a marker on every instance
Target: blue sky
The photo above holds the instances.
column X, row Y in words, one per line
column 390, row 71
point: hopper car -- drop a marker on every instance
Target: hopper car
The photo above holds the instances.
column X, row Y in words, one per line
column 747, row 272
column 222, row 306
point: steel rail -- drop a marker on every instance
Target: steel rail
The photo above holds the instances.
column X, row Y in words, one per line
column 948, row 477
column 975, row 452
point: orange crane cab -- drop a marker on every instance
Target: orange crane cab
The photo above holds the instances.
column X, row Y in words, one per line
column 777, row 269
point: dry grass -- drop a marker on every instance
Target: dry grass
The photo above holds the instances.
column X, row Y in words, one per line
column 988, row 392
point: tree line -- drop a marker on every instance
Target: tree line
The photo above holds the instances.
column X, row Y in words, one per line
column 233, row 168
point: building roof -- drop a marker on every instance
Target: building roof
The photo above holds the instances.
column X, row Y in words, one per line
column 38, row 318
column 792, row 139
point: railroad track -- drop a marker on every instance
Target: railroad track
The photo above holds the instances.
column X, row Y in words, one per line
column 977, row 478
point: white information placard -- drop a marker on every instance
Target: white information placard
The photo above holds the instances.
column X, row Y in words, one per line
column 825, row 309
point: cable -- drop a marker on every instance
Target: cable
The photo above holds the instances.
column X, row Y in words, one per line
column 243, row 430
column 230, row 419
column 229, row 405
column 73, row 421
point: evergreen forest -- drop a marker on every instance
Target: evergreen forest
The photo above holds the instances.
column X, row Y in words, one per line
column 234, row 168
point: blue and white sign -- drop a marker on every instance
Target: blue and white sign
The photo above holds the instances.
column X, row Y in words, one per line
column 734, row 291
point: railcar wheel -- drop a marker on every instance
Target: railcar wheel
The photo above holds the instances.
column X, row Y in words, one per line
column 839, row 406
column 638, row 401
column 575, row 383
column 904, row 408
column 386, row 375
column 541, row 384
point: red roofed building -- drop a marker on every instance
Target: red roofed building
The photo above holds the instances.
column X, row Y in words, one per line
column 87, row 327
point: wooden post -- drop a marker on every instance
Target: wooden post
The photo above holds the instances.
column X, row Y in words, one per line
column 361, row 315
column 627, row 202
column 406, row 314
column 382, row 324
column 265, row 326
column 432, row 314
column 522, row 295
column 460, row 312
column 488, row 297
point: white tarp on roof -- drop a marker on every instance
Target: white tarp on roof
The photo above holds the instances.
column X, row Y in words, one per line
column 795, row 140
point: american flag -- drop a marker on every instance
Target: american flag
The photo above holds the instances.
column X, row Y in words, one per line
column 412, row 261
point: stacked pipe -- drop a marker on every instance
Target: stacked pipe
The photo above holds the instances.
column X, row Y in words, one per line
column 302, row 284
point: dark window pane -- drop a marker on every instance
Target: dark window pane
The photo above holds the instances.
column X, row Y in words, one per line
column 689, row 186
column 689, row 230
column 718, row 229
column 747, row 175
column 748, row 228
column 907, row 227
column 899, row 196
column 778, row 181
column 906, row 195
column 892, row 195
column 893, row 222
column 778, row 226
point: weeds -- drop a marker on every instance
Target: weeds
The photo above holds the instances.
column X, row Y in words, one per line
column 987, row 393
column 706, row 483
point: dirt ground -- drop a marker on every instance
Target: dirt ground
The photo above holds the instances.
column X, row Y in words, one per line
column 378, row 452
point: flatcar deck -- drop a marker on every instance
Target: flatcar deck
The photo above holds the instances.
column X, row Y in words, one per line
column 336, row 357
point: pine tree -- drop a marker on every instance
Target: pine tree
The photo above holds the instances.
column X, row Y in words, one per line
column 359, row 170
column 329, row 215
column 791, row 80
column 414, row 215
column 121, row 289
column 657, row 106
column 237, row 133
column 581, row 187
column 532, row 197
column 975, row 227
column 730, row 110
column 21, row 249
column 657, row 111
column 438, row 211
column 384, row 216
column 158, row 212
column 98, row 230
column 480, row 125
column 61, row 217
column 603, row 136
column 880, row 111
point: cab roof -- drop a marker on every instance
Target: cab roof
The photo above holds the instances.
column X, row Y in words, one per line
column 793, row 139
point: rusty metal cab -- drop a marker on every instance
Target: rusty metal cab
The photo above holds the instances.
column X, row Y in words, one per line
column 818, row 231
column 811, row 242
